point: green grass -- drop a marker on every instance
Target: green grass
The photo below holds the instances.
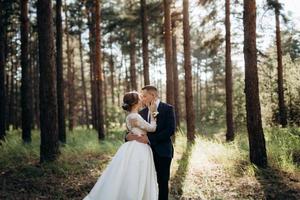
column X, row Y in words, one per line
column 79, row 143
column 218, row 168
column 80, row 163
column 214, row 169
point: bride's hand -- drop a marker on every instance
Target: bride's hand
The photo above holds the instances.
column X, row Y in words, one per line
column 153, row 107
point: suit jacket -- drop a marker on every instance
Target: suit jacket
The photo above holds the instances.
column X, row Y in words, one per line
column 160, row 140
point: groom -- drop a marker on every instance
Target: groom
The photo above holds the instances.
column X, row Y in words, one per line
column 160, row 140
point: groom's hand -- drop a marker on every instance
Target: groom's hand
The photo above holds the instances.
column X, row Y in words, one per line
column 131, row 137
column 143, row 139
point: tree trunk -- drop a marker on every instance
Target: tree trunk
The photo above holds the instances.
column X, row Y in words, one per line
column 168, row 52
column 190, row 111
column 144, row 22
column 86, row 108
column 48, row 102
column 5, row 93
column 198, row 92
column 10, row 97
column 98, row 68
column 228, row 71
column 59, row 74
column 36, row 86
column 127, row 79
column 112, row 71
column 258, row 154
column 281, row 104
column 91, row 23
column 132, row 70
column 175, row 74
column 207, row 102
column 26, row 91
column 119, row 88
column 105, row 102
column 2, row 79
column 70, row 74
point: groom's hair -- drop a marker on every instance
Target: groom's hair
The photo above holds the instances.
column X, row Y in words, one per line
column 152, row 89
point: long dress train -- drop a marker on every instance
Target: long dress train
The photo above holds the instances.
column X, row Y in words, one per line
column 131, row 173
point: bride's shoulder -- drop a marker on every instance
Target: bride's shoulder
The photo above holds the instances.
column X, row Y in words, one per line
column 133, row 116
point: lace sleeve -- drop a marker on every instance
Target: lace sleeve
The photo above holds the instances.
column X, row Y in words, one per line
column 139, row 122
column 149, row 127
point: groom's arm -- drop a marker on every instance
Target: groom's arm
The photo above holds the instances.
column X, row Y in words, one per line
column 168, row 131
column 129, row 137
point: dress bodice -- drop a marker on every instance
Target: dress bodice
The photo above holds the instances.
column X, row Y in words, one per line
column 141, row 127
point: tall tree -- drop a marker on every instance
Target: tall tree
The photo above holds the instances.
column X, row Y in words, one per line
column 2, row 77
column 280, row 89
column 77, row 27
column 168, row 52
column 49, row 148
column 175, row 18
column 132, row 70
column 190, row 111
column 70, row 73
column 98, row 67
column 228, row 70
column 59, row 74
column 257, row 146
column 26, row 90
column 86, row 108
column 91, row 23
column 112, row 71
column 144, row 22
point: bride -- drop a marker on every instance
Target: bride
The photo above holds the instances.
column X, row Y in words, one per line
column 131, row 174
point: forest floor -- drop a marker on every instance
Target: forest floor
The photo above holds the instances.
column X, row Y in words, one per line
column 208, row 169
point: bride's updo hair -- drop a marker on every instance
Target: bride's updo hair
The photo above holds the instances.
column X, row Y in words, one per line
column 129, row 100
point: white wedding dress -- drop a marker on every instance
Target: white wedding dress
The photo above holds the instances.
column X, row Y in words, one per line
column 131, row 174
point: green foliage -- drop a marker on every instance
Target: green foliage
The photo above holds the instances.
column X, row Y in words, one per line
column 268, row 88
column 239, row 105
column 195, row 166
column 284, row 147
column 115, row 117
column 80, row 142
column 77, row 15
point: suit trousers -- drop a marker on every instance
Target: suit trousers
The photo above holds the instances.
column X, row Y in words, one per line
column 162, row 166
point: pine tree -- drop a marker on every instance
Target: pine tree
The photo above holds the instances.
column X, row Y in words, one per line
column 257, row 144
column 49, row 149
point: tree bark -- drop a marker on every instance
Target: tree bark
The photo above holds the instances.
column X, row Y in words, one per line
column 2, row 79
column 144, row 23
column 59, row 74
column 112, row 73
column 105, row 101
column 127, row 79
column 168, row 52
column 228, row 75
column 26, row 91
column 48, row 102
column 175, row 74
column 258, row 154
column 280, row 90
column 36, row 85
column 98, row 67
column 70, row 74
column 11, row 104
column 89, row 5
column 132, row 70
column 190, row 111
column 86, row 108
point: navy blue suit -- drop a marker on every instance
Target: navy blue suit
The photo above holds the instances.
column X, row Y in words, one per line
column 161, row 144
